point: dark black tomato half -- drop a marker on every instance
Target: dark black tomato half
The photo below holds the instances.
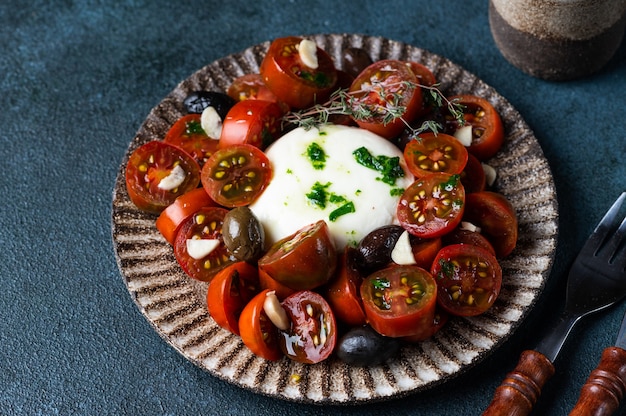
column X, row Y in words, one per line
column 363, row 346
column 197, row 101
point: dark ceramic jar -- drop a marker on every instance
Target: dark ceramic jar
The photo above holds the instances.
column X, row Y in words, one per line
column 558, row 39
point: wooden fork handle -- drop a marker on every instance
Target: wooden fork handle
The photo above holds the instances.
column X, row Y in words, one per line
column 605, row 387
column 521, row 388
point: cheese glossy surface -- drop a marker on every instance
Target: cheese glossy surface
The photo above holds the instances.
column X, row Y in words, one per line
column 286, row 204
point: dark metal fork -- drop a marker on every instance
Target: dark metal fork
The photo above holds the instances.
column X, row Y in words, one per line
column 596, row 280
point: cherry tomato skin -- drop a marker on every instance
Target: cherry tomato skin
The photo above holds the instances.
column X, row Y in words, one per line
column 468, row 278
column 432, row 153
column 250, row 87
column 187, row 133
column 313, row 333
column 229, row 292
column 432, row 206
column 149, row 165
column 473, row 176
column 255, row 122
column 257, row 331
column 305, row 260
column 424, row 250
column 171, row 218
column 291, row 80
column 342, row 292
column 267, row 282
column 487, row 128
column 391, row 79
column 427, row 331
column 496, row 218
column 424, row 75
column 236, row 175
column 206, row 223
column 399, row 301
column 462, row 236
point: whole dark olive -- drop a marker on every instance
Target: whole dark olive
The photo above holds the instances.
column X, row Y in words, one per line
column 374, row 250
column 197, row 101
column 355, row 60
column 363, row 346
column 243, row 234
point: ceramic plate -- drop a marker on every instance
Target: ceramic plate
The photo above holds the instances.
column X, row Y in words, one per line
column 176, row 306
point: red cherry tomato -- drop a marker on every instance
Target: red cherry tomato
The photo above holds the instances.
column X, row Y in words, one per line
column 313, row 333
column 152, row 172
column 237, row 175
column 487, row 128
column 171, row 218
column 430, row 153
column 250, row 87
column 462, row 236
column 205, row 224
column 254, row 122
column 432, row 206
column 427, row 331
column 342, row 293
column 267, row 282
column 291, row 80
column 495, row 216
column 424, row 250
column 187, row 133
column 399, row 301
column 387, row 95
column 257, row 331
column 305, row 260
column 229, row 292
column 473, row 176
column 426, row 78
column 468, row 279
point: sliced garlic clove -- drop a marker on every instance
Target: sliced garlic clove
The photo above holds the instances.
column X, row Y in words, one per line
column 211, row 122
column 307, row 49
column 402, row 252
column 198, row 248
column 174, row 179
column 464, row 135
column 490, row 174
column 275, row 311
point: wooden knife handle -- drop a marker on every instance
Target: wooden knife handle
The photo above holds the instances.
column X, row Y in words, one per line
column 605, row 387
column 521, row 388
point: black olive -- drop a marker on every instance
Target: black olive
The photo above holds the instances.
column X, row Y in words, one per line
column 197, row 101
column 363, row 346
column 355, row 60
column 376, row 247
column 243, row 234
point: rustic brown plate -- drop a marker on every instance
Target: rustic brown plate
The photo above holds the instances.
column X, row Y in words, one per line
column 176, row 305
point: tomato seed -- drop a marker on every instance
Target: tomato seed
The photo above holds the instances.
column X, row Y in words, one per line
column 200, row 219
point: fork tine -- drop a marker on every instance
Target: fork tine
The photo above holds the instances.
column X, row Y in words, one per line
column 604, row 227
column 615, row 245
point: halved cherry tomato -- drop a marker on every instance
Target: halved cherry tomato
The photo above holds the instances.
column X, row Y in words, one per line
column 171, row 218
column 399, row 301
column 250, row 87
column 157, row 173
column 430, row 153
column 236, row 175
column 187, row 133
column 254, row 122
column 487, row 128
column 473, row 176
column 304, row 260
column 425, row 78
column 293, row 81
column 386, row 96
column 313, row 333
column 432, row 206
column 468, row 279
column 342, row 293
column 495, row 216
column 267, row 282
column 230, row 291
column 258, row 333
column 205, row 224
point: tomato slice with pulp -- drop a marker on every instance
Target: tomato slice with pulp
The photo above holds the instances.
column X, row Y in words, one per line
column 172, row 217
column 432, row 206
column 257, row 332
column 188, row 134
column 399, row 301
column 157, row 173
column 236, row 175
column 431, row 153
column 468, row 278
column 313, row 333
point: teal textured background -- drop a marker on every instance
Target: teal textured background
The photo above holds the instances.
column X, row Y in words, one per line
column 77, row 78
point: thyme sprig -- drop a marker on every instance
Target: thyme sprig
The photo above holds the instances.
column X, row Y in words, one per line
column 347, row 103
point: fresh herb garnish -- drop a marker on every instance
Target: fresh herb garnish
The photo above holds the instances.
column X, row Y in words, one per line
column 380, row 283
column 318, row 195
column 346, row 208
column 451, row 183
column 447, row 269
column 389, row 167
column 316, row 155
column 193, row 127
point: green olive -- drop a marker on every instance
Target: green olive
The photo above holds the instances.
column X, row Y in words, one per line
column 243, row 234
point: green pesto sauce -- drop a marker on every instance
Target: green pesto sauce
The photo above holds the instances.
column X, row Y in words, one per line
column 388, row 167
column 193, row 127
column 316, row 155
column 346, row 208
column 318, row 195
column 321, row 198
